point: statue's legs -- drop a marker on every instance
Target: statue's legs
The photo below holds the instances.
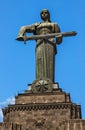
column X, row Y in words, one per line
column 45, row 58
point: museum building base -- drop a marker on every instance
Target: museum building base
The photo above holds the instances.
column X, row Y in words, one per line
column 47, row 110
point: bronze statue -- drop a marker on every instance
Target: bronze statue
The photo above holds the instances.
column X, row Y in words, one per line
column 47, row 35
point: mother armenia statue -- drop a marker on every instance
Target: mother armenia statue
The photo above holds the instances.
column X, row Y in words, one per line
column 45, row 44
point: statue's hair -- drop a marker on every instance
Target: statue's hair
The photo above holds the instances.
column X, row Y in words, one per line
column 47, row 12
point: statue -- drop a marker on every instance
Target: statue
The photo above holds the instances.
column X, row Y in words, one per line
column 47, row 35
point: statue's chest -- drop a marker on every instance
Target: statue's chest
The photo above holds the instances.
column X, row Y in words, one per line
column 45, row 28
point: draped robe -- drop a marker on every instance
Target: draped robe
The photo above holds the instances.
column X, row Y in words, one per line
column 45, row 52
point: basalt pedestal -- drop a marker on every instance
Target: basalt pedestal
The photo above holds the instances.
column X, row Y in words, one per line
column 43, row 111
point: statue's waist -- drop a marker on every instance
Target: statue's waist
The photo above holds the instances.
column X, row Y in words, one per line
column 44, row 41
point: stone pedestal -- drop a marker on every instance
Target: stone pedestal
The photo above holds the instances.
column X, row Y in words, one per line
column 43, row 111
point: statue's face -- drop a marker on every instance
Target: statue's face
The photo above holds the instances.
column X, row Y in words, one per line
column 45, row 15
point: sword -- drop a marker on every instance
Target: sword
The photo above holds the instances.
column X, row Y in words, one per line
column 47, row 36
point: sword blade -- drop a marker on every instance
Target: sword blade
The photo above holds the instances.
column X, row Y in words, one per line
column 52, row 35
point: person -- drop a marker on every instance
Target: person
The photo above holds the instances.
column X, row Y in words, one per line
column 45, row 48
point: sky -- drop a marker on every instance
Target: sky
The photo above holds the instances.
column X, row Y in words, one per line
column 17, row 60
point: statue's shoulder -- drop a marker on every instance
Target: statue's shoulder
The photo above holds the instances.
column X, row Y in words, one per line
column 37, row 24
column 55, row 23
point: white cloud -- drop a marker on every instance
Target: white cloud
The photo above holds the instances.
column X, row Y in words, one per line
column 8, row 101
column 5, row 103
column 1, row 115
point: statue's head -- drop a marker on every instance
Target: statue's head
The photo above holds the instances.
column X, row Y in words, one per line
column 45, row 14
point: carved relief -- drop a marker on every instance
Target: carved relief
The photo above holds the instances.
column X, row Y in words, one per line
column 39, row 122
column 42, row 85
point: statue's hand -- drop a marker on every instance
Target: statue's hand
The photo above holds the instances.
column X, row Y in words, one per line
column 59, row 39
column 58, row 36
column 20, row 38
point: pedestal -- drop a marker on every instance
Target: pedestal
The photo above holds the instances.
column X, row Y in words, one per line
column 43, row 111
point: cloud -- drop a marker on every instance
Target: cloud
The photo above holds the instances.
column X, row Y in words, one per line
column 8, row 101
column 5, row 103
column 1, row 115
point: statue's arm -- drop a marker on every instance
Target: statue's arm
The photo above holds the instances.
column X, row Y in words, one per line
column 30, row 28
column 57, row 30
column 26, row 29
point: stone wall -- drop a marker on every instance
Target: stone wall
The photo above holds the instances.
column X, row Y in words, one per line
column 47, row 111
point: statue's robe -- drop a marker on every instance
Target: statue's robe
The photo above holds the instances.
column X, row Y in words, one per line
column 45, row 52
